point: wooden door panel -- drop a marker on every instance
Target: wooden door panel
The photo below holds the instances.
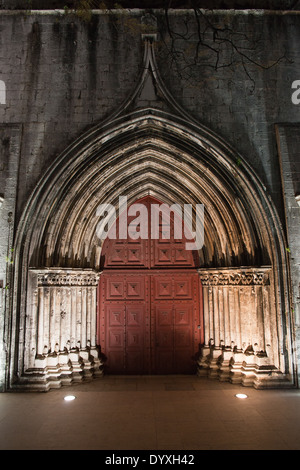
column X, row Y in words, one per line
column 183, row 288
column 163, row 256
column 136, row 338
column 115, row 315
column 114, row 288
column 116, row 256
column 115, row 364
column 135, row 316
column 116, row 339
column 164, row 315
column 135, row 327
column 164, row 339
column 172, row 333
column 183, row 315
column 163, row 287
column 174, row 322
column 149, row 303
column 129, row 253
column 182, row 257
column 136, row 255
column 183, row 339
column 135, row 288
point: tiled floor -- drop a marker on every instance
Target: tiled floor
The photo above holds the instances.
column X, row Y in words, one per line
column 151, row 413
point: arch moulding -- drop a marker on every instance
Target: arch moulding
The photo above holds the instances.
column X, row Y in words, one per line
column 155, row 149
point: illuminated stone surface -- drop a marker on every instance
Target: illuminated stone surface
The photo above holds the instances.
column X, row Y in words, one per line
column 92, row 112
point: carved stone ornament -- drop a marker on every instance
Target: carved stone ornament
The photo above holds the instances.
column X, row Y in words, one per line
column 241, row 278
column 61, row 279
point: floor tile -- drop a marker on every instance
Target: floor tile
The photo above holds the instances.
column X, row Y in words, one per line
column 151, row 413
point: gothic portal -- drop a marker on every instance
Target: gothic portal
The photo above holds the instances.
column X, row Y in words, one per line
column 81, row 307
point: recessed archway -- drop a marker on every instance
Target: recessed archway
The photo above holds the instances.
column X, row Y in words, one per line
column 242, row 262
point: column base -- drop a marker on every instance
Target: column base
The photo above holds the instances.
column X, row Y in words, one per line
column 60, row 369
column 238, row 367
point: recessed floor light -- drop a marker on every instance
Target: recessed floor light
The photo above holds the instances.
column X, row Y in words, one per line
column 69, row 397
column 241, row 395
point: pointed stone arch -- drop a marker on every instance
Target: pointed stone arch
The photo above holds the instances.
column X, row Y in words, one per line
column 145, row 150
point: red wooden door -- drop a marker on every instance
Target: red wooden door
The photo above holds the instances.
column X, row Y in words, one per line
column 176, row 321
column 124, row 322
column 150, row 305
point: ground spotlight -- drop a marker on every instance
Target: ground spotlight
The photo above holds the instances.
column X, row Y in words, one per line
column 69, row 397
column 241, row 395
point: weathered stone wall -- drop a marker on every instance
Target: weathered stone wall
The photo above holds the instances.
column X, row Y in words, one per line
column 62, row 75
column 288, row 137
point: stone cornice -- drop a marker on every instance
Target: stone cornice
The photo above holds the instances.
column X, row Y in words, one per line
column 68, row 277
column 235, row 277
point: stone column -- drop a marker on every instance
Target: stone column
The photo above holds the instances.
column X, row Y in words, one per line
column 65, row 333
column 203, row 361
column 235, row 307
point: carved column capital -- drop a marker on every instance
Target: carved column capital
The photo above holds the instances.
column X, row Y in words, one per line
column 235, row 276
column 66, row 277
